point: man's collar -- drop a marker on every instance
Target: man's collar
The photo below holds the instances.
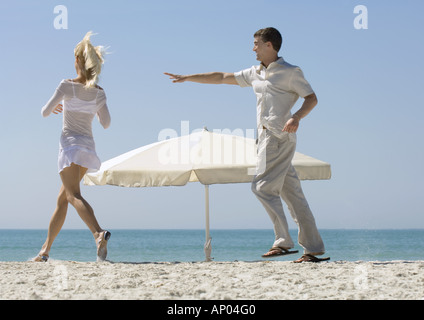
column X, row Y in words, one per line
column 279, row 61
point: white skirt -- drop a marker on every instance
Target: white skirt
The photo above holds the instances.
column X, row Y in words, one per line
column 79, row 150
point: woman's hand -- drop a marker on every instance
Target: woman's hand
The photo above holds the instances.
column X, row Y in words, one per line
column 58, row 109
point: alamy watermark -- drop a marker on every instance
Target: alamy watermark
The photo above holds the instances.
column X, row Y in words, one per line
column 61, row 20
column 360, row 282
column 217, row 148
column 361, row 20
column 61, row 276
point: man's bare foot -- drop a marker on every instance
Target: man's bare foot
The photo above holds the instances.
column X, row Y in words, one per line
column 310, row 258
column 278, row 251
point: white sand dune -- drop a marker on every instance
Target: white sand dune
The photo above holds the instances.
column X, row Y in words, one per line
column 262, row 280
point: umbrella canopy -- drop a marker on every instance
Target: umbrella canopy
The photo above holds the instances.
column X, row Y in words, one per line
column 205, row 157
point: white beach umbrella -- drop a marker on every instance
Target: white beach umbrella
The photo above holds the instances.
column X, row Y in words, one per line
column 205, row 157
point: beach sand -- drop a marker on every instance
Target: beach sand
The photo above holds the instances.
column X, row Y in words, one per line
column 260, row 280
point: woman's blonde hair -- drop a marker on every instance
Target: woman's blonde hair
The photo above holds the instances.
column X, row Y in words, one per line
column 90, row 60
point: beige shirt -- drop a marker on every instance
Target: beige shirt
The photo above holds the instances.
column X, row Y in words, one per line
column 277, row 89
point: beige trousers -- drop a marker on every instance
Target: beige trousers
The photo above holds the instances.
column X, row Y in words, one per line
column 278, row 179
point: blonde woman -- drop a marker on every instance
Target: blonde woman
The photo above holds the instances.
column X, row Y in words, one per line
column 82, row 100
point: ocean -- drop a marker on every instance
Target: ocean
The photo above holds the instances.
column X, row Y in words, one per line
column 227, row 245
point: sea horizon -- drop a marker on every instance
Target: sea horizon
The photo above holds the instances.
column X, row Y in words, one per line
column 291, row 229
column 186, row 245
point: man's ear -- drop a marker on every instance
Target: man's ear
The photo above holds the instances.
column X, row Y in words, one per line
column 269, row 44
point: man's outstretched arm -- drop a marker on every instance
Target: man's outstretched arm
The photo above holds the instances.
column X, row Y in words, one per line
column 211, row 78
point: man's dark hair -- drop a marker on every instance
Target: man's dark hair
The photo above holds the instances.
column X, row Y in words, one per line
column 272, row 35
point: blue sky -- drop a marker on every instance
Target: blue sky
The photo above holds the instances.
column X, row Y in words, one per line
column 368, row 123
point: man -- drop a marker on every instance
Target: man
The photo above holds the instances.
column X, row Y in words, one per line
column 277, row 85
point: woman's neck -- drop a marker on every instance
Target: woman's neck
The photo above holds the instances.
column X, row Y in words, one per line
column 80, row 78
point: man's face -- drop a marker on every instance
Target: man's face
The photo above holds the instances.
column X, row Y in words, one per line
column 261, row 48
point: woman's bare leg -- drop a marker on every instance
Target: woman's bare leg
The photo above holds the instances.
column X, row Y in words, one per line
column 56, row 222
column 71, row 177
column 73, row 196
column 71, row 182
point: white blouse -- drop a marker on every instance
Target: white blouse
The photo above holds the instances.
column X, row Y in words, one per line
column 80, row 105
column 79, row 113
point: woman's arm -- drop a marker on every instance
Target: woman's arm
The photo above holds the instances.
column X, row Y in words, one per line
column 53, row 105
column 104, row 116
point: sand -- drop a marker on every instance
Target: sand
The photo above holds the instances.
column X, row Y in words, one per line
column 261, row 280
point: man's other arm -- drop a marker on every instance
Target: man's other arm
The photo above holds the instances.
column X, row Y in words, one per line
column 293, row 123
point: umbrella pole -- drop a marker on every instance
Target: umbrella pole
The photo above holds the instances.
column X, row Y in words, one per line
column 208, row 246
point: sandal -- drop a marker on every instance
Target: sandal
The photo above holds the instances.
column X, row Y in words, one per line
column 41, row 258
column 278, row 251
column 102, row 246
column 310, row 258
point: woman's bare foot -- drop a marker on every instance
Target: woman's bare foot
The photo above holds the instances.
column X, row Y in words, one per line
column 101, row 243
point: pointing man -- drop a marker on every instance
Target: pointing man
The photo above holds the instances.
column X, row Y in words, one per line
column 277, row 85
